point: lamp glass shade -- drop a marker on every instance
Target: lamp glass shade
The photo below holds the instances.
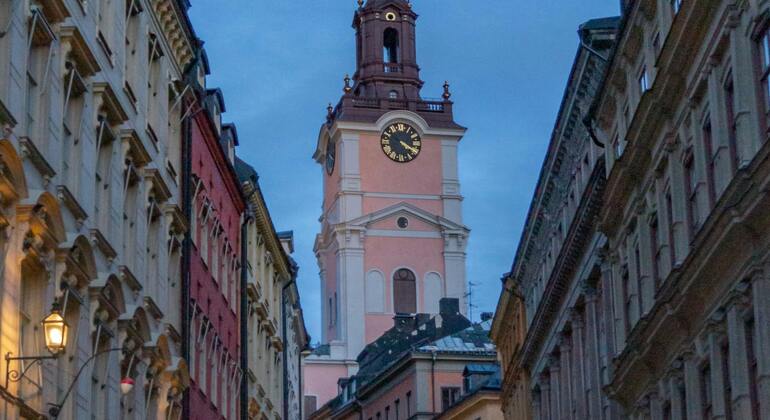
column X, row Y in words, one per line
column 55, row 332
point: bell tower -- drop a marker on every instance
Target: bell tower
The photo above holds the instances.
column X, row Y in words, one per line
column 386, row 58
column 392, row 240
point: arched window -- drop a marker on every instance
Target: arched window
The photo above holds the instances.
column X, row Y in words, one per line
column 404, row 292
column 393, row 94
column 390, row 46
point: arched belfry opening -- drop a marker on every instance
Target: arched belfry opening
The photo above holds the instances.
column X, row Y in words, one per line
column 390, row 46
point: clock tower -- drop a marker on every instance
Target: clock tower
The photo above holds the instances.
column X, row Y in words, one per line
column 392, row 240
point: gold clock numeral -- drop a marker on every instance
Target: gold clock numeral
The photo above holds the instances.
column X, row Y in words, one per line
column 387, row 149
column 392, row 155
column 401, row 127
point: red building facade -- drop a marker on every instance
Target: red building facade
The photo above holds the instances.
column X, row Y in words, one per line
column 215, row 208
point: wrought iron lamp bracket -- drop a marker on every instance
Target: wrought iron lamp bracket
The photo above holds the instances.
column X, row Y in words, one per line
column 14, row 375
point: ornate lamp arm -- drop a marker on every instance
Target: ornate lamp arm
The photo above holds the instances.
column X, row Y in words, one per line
column 56, row 408
column 14, row 375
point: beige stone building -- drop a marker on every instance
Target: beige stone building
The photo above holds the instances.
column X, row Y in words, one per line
column 89, row 213
column 683, row 113
column 662, row 313
column 275, row 330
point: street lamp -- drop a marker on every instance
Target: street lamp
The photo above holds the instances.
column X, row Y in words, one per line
column 55, row 340
column 55, row 329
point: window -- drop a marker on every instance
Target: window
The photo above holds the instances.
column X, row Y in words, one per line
column 691, row 190
column 627, row 298
column 732, row 127
column 404, row 292
column 103, row 178
column 644, row 81
column 133, row 9
column 387, row 413
column 667, row 410
column 705, row 391
column 708, row 150
column 408, row 404
column 728, row 389
column 655, row 248
column 676, row 5
column 682, row 393
column 105, row 26
column 670, row 222
column 390, row 46
column 449, row 396
column 396, row 407
column 638, row 271
column 393, row 94
column 751, row 357
column 764, row 47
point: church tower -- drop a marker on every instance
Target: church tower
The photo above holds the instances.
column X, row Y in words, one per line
column 392, row 240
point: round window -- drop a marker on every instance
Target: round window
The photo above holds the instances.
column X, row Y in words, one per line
column 403, row 222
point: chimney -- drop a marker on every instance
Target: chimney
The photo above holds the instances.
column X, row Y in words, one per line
column 486, row 316
column 449, row 306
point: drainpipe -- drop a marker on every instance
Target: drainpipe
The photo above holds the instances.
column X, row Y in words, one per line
column 248, row 216
column 186, row 249
column 286, row 344
column 433, row 380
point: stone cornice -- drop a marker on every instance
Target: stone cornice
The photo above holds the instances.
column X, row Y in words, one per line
column 175, row 30
column 574, row 246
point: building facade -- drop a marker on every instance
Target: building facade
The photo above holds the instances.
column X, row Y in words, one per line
column 388, row 245
column 416, row 369
column 663, row 315
column 217, row 208
column 508, row 332
column 274, row 325
column 549, row 323
column 481, row 395
column 683, row 113
column 90, row 207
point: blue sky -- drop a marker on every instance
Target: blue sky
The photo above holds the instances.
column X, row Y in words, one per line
column 280, row 62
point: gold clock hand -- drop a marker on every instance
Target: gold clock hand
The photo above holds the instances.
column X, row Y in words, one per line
column 412, row 149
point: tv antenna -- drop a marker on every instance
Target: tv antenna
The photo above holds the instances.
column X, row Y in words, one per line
column 469, row 296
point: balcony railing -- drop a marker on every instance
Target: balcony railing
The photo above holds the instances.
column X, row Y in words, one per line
column 423, row 105
column 392, row 68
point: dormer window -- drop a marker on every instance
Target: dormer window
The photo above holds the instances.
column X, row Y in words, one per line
column 390, row 46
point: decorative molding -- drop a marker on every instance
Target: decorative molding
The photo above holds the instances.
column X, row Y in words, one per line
column 172, row 23
column 101, row 242
column 31, row 152
column 71, row 203
column 158, row 186
column 77, row 46
column 108, row 100
column 134, row 148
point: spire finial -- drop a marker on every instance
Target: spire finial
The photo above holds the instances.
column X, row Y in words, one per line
column 347, row 88
column 446, row 94
column 329, row 112
column 360, row 3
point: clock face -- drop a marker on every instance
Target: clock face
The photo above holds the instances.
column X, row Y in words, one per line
column 401, row 142
column 331, row 153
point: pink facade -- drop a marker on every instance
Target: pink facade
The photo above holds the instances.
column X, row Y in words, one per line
column 392, row 237
column 214, row 278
